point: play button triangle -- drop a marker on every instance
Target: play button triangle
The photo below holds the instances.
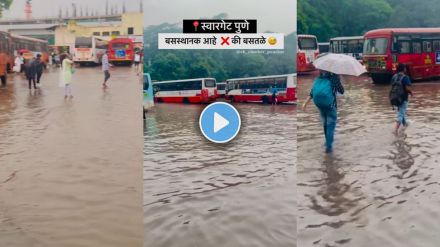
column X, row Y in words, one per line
column 219, row 122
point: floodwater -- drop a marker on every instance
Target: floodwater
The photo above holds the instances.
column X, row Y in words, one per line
column 377, row 189
column 70, row 170
column 239, row 194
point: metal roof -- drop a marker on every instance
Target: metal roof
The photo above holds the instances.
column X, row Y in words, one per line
column 348, row 38
column 27, row 26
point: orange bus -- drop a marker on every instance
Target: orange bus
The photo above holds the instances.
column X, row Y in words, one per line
column 417, row 48
column 30, row 47
column 121, row 51
column 6, row 56
column 307, row 52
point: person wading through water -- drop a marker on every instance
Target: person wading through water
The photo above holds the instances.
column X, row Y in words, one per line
column 399, row 95
column 323, row 92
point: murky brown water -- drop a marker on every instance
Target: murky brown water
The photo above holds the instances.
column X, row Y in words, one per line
column 70, row 171
column 376, row 189
column 239, row 194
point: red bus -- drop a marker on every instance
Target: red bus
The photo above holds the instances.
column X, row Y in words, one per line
column 202, row 90
column 307, row 52
column 121, row 51
column 260, row 89
column 417, row 48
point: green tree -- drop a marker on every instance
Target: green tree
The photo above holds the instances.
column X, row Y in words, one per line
column 4, row 4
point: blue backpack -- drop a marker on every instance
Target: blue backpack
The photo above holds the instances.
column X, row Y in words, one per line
column 323, row 94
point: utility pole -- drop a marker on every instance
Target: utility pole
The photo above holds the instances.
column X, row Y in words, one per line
column 106, row 7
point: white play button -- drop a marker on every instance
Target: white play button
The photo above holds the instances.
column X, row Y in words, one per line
column 219, row 122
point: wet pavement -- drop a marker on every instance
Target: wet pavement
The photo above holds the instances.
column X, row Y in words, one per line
column 70, row 171
column 197, row 193
column 376, row 189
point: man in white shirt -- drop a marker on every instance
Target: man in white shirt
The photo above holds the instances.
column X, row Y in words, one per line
column 105, row 68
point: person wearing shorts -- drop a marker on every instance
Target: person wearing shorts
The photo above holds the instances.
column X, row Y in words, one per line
column 105, row 68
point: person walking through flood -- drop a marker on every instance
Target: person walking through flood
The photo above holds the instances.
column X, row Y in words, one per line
column 105, row 68
column 274, row 95
column 399, row 95
column 18, row 63
column 31, row 72
column 67, row 72
column 3, row 69
column 137, row 60
column 324, row 90
column 39, row 66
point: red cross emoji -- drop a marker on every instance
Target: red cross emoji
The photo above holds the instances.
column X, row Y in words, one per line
column 225, row 40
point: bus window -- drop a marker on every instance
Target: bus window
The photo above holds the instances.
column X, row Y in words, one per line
column 209, row 83
column 83, row 42
column 307, row 44
column 376, row 46
column 404, row 47
column 427, row 47
column 436, row 45
column 417, row 47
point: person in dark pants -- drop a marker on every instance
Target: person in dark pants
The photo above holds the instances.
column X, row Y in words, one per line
column 328, row 115
column 31, row 72
column 39, row 67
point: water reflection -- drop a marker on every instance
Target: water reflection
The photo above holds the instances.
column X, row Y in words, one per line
column 68, row 165
column 377, row 189
column 197, row 193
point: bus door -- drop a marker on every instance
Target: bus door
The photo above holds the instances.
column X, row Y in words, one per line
column 418, row 60
column 428, row 58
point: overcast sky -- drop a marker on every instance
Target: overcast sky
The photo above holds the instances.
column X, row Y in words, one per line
column 273, row 15
column 46, row 8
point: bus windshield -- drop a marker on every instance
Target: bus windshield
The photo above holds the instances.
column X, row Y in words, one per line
column 221, row 86
column 307, row 43
column 120, row 46
column 83, row 42
column 209, row 83
column 376, row 46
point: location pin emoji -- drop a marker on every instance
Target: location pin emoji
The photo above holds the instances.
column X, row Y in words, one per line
column 196, row 24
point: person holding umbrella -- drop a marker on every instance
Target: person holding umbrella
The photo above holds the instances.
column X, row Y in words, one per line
column 326, row 87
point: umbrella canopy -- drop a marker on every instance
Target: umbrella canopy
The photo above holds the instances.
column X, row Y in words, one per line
column 339, row 64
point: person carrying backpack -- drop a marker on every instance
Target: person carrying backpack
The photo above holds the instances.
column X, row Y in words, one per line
column 323, row 92
column 400, row 89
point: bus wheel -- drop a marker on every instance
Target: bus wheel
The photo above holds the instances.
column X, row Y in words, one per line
column 8, row 68
column 232, row 99
column 159, row 100
column 185, row 100
column 265, row 100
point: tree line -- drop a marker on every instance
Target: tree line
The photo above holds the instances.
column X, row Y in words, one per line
column 220, row 64
column 333, row 18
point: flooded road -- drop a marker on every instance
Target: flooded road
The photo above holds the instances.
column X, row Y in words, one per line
column 376, row 189
column 70, row 170
column 197, row 193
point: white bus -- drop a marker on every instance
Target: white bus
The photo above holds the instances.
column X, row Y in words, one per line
column 352, row 46
column 221, row 89
column 265, row 89
column 307, row 52
column 201, row 90
column 89, row 50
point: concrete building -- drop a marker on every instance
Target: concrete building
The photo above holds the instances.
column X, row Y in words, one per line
column 63, row 31
column 131, row 24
